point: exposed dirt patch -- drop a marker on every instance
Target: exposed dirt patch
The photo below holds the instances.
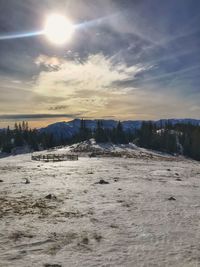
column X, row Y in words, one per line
column 25, row 205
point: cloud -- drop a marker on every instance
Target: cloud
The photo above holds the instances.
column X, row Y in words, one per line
column 58, row 107
column 35, row 116
column 87, row 86
column 50, row 63
column 96, row 73
column 98, row 86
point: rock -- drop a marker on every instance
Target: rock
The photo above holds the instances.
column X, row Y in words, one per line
column 171, row 198
column 27, row 181
column 168, row 170
column 1, row 181
column 97, row 237
column 176, row 174
column 51, row 196
column 119, row 189
column 114, row 226
column 126, row 205
column 85, row 240
column 178, row 179
column 103, row 182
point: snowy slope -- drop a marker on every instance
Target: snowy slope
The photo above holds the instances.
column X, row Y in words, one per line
column 128, row 222
column 91, row 148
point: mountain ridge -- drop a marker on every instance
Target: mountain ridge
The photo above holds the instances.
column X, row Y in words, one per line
column 66, row 130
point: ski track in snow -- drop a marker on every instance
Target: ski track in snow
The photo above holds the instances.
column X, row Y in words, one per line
column 128, row 222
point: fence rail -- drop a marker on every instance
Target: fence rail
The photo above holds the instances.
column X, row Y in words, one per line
column 54, row 157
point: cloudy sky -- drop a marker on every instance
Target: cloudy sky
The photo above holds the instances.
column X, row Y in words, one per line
column 127, row 59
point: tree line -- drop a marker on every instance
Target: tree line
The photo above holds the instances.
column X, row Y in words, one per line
column 176, row 139
column 22, row 136
column 181, row 139
column 101, row 134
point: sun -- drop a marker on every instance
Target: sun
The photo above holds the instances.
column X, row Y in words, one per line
column 58, row 29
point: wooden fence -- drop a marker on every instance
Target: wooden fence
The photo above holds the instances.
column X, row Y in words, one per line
column 54, row 157
column 106, row 154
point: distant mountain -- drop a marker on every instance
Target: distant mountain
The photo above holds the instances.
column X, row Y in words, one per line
column 176, row 121
column 64, row 130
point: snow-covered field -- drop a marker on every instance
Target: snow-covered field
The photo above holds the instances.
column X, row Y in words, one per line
column 65, row 217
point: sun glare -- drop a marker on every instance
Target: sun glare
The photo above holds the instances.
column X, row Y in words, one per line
column 58, row 29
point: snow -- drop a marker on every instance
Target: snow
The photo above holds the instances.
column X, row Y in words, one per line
column 126, row 150
column 128, row 222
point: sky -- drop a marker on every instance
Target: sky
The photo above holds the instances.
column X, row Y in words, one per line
column 127, row 59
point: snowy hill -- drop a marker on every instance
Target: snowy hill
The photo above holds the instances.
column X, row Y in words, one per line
column 116, row 212
column 92, row 149
column 64, row 130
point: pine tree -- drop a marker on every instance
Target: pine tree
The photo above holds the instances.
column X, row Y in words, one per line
column 100, row 134
column 120, row 135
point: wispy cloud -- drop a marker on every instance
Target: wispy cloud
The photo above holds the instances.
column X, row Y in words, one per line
column 127, row 59
column 61, row 107
column 86, row 86
column 36, row 116
column 99, row 86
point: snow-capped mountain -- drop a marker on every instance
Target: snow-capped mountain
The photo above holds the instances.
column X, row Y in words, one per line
column 64, row 130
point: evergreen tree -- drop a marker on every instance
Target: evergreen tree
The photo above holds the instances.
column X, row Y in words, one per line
column 120, row 135
column 100, row 134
